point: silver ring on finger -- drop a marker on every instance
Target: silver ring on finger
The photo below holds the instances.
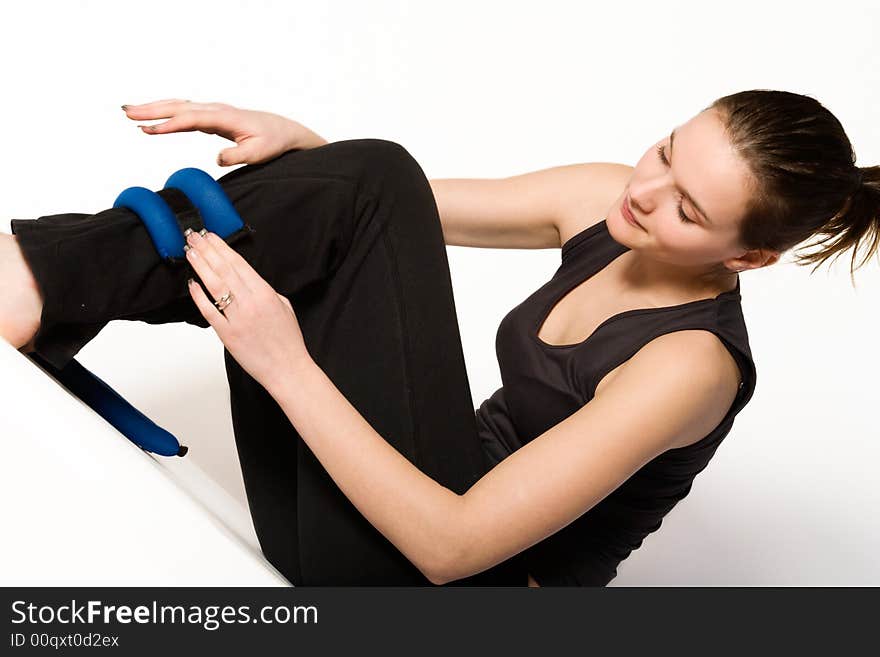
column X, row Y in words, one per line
column 223, row 302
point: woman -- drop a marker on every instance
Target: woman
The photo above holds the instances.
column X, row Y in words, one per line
column 362, row 458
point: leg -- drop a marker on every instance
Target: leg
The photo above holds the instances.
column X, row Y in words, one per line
column 384, row 328
column 92, row 269
column 350, row 233
column 22, row 302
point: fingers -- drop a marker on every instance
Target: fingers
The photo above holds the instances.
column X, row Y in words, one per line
column 246, row 274
column 161, row 102
column 159, row 109
column 209, row 311
column 218, row 271
column 165, row 109
column 211, row 121
column 187, row 121
column 177, row 124
column 245, row 152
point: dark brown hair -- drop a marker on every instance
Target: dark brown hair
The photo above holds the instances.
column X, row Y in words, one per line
column 804, row 178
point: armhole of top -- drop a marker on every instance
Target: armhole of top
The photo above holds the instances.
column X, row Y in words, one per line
column 742, row 363
column 745, row 371
column 739, row 400
column 578, row 238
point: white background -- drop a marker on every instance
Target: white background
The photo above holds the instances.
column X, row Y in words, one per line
column 485, row 89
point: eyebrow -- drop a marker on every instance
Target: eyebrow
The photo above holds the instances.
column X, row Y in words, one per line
column 683, row 192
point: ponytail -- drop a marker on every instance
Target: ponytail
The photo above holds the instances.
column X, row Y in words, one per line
column 803, row 181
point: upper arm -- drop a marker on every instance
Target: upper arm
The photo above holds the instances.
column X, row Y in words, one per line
column 677, row 386
column 532, row 210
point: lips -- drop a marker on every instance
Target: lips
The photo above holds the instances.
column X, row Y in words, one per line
column 627, row 213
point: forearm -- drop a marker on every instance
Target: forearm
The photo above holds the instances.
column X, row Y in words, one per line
column 414, row 512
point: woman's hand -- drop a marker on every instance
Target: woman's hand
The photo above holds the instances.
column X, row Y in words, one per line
column 260, row 136
column 258, row 326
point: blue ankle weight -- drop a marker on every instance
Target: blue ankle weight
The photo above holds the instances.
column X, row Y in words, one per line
column 157, row 216
column 220, row 217
column 204, row 193
column 208, row 197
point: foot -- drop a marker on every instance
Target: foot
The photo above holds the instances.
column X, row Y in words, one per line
column 21, row 302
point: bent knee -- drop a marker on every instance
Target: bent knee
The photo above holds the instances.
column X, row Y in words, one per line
column 379, row 151
column 385, row 162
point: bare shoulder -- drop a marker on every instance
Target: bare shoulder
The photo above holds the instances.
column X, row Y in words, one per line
column 699, row 358
column 595, row 186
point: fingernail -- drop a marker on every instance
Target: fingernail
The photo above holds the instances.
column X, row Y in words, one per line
column 189, row 281
column 125, row 107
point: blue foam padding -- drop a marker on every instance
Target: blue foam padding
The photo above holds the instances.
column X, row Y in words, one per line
column 108, row 403
column 219, row 216
column 157, row 216
column 206, row 194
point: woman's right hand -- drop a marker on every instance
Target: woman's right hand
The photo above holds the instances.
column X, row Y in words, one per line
column 259, row 136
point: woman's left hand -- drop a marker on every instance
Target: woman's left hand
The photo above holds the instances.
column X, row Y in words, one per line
column 258, row 326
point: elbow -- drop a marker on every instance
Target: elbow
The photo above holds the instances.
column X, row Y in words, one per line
column 440, row 573
column 453, row 567
column 444, row 557
column 438, row 568
column 444, row 563
column 447, row 562
column 437, row 580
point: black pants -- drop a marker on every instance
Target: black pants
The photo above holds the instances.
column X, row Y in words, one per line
column 350, row 233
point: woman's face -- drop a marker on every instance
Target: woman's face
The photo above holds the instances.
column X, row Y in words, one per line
column 694, row 173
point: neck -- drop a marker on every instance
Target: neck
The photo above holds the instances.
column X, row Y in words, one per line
column 663, row 280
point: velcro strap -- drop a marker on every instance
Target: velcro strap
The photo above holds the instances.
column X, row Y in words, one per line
column 186, row 213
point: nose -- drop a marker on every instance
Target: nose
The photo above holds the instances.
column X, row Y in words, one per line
column 644, row 194
column 637, row 200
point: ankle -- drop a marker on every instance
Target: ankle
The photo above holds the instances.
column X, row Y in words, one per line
column 25, row 268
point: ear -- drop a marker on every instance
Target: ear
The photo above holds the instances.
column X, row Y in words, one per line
column 753, row 259
column 771, row 258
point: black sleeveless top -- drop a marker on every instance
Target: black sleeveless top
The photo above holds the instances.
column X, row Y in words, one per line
column 543, row 384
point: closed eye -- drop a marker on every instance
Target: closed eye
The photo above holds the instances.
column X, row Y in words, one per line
column 681, row 213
